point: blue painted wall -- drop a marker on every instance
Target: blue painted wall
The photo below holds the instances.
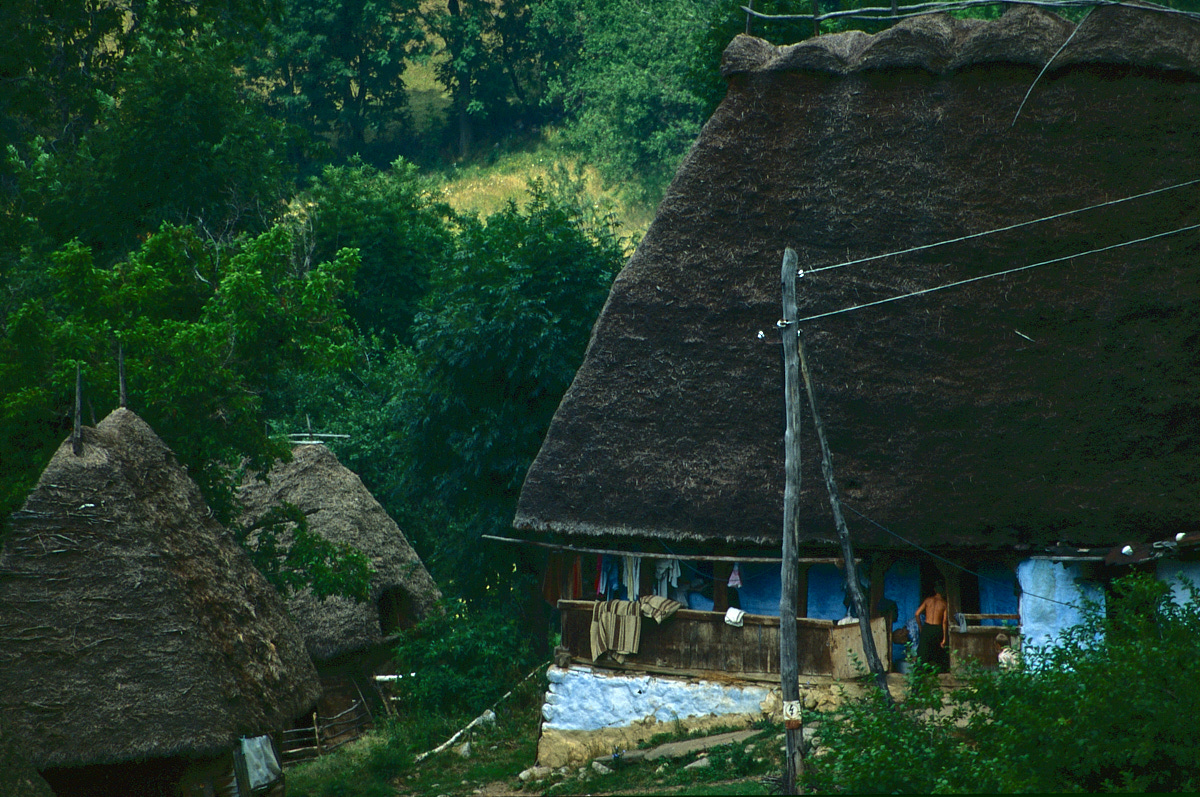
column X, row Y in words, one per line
column 998, row 591
column 826, row 592
column 1052, row 594
column 762, row 585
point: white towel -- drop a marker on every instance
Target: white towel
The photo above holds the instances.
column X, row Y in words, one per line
column 734, row 617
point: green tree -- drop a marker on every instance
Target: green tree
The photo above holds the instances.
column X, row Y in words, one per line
column 206, row 331
column 182, row 142
column 336, row 67
column 629, row 106
column 492, row 62
column 403, row 233
column 497, row 344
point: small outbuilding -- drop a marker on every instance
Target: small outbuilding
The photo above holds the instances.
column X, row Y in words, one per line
column 338, row 506
column 346, row 639
column 140, row 645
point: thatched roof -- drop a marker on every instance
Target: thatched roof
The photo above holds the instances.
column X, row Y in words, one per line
column 1057, row 404
column 132, row 624
column 18, row 778
column 339, row 507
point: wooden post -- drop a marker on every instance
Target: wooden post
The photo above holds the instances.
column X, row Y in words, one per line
column 789, row 661
column 816, row 17
column 750, row 19
column 124, row 399
column 860, row 602
column 76, row 432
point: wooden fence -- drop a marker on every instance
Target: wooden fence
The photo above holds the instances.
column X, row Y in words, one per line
column 325, row 735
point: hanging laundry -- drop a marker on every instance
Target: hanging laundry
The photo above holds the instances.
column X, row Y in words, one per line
column 666, row 576
column 610, row 578
column 657, row 607
column 574, row 589
column 616, row 629
column 552, row 582
column 735, row 578
column 633, row 576
column 599, row 576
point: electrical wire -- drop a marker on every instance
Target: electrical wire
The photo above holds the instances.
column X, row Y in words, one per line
column 1017, row 226
column 999, row 273
column 922, row 9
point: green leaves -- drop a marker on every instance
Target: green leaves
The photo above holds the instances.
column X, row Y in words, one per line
column 293, row 558
column 335, row 68
column 632, row 111
column 206, row 329
column 1098, row 711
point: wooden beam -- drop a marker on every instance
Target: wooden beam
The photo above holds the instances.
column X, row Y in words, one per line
column 860, row 602
column 810, row 560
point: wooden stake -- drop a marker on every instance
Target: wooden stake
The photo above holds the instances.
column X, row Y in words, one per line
column 124, row 398
column 860, row 602
column 76, row 435
column 789, row 662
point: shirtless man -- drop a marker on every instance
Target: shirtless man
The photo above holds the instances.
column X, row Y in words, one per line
column 935, row 633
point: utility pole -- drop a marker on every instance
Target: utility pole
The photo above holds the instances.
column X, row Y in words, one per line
column 860, row 602
column 789, row 662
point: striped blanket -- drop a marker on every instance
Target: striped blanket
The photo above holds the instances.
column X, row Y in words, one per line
column 617, row 625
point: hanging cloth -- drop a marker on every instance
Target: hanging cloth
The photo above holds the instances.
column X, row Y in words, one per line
column 666, row 576
column 552, row 582
column 575, row 580
column 633, row 575
column 616, row 629
column 735, row 578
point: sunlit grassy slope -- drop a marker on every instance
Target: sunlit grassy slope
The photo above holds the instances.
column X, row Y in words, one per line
column 492, row 178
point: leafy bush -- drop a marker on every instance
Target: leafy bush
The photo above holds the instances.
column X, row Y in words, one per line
column 461, row 660
column 1098, row 711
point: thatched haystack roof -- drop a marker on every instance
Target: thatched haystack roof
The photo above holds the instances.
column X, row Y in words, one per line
column 18, row 778
column 339, row 507
column 1056, row 404
column 132, row 626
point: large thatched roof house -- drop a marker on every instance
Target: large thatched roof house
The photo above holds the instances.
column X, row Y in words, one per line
column 1017, row 426
column 140, row 644
column 339, row 507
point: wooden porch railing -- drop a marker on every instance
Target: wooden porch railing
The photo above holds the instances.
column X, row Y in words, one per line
column 702, row 642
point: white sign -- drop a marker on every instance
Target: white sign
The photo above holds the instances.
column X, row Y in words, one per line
column 791, row 709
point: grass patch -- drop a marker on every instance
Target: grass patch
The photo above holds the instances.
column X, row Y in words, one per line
column 383, row 763
column 487, row 184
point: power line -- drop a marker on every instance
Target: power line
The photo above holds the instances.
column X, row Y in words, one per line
column 885, row 14
column 1016, row 226
column 1000, row 273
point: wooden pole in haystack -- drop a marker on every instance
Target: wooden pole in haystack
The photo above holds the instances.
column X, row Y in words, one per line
column 124, row 397
column 860, row 602
column 76, row 427
column 789, row 662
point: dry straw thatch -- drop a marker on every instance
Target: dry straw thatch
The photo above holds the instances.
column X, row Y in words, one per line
column 1057, row 404
column 340, row 508
column 132, row 626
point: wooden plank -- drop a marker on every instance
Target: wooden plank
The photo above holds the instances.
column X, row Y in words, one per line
column 846, row 644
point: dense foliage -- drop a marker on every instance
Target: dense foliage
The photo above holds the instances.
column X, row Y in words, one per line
column 1100, row 710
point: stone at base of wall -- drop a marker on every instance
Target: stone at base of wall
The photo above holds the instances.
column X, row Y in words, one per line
column 590, row 712
column 576, row 748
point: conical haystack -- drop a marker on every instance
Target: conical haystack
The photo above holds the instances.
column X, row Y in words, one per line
column 132, row 625
column 340, row 508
